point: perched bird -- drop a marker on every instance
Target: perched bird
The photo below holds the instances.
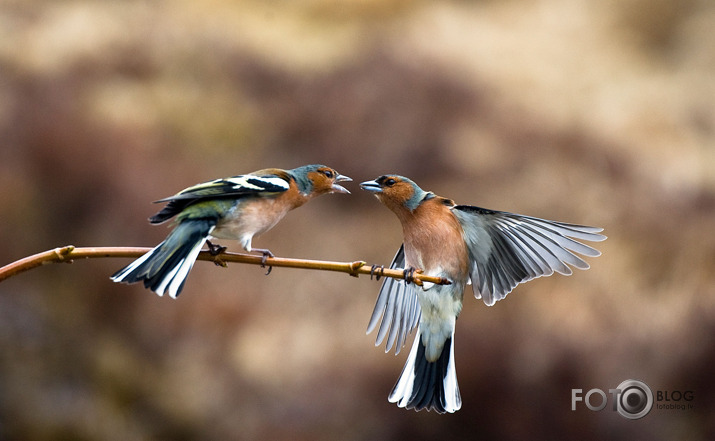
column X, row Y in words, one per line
column 492, row 250
column 238, row 208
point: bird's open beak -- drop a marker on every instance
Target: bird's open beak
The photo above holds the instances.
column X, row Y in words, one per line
column 339, row 188
column 371, row 186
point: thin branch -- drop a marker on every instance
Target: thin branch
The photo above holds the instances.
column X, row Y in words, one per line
column 69, row 253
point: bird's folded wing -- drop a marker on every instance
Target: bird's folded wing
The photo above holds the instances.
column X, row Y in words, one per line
column 397, row 305
column 506, row 249
column 234, row 186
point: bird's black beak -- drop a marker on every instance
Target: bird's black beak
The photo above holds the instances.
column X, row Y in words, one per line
column 371, row 186
column 339, row 188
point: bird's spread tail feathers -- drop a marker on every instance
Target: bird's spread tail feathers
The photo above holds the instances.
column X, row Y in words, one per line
column 428, row 385
column 165, row 268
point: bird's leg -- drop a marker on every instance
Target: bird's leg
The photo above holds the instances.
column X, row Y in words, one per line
column 266, row 254
column 215, row 250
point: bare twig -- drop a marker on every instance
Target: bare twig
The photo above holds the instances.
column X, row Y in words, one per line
column 70, row 253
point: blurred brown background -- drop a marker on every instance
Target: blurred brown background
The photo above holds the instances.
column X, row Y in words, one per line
column 595, row 112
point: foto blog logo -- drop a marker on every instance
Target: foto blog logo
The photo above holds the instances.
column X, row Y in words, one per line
column 632, row 399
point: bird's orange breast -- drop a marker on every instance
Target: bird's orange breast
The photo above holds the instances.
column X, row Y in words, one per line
column 433, row 239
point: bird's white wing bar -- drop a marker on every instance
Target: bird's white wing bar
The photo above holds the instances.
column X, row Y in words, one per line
column 270, row 184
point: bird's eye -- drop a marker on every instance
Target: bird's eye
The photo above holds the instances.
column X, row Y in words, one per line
column 328, row 174
column 390, row 182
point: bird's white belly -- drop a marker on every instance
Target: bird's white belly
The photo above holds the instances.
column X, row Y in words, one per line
column 440, row 305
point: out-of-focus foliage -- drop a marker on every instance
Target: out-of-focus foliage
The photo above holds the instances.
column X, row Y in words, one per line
column 600, row 113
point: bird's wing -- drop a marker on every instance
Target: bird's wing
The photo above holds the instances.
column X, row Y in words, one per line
column 506, row 249
column 398, row 306
column 234, row 187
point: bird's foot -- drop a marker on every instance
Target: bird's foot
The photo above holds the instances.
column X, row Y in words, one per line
column 215, row 251
column 374, row 272
column 409, row 274
column 266, row 255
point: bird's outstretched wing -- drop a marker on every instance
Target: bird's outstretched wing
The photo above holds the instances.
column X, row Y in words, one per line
column 506, row 249
column 398, row 306
column 234, row 187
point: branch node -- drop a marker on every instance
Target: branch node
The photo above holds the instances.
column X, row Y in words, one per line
column 355, row 266
column 61, row 253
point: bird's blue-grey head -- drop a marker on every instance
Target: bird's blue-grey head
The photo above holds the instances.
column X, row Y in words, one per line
column 396, row 190
column 318, row 179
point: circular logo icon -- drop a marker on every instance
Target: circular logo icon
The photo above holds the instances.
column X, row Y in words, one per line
column 635, row 399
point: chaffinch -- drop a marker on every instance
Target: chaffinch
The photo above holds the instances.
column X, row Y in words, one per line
column 492, row 250
column 238, row 208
